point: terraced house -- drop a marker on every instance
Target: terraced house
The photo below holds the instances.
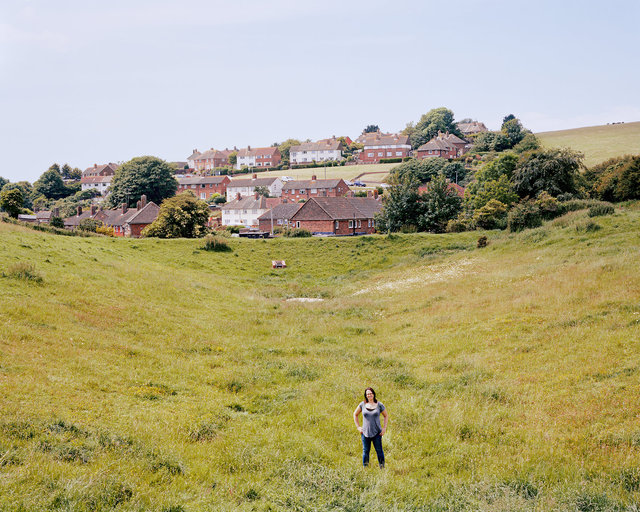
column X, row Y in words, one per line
column 337, row 216
column 444, row 145
column 247, row 186
column 305, row 189
column 322, row 151
column 258, row 157
column 203, row 187
column 378, row 146
column 209, row 160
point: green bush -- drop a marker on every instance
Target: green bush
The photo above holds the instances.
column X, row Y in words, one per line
column 297, row 233
column 233, row 229
column 549, row 207
column 492, row 215
column 601, row 209
column 56, row 222
column 89, row 225
column 23, row 271
column 582, row 204
column 216, row 244
column 391, row 160
column 524, row 215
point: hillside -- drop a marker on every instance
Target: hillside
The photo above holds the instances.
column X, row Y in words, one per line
column 152, row 375
column 369, row 173
column 598, row 143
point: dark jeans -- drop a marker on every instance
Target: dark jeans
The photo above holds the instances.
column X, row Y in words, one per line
column 366, row 448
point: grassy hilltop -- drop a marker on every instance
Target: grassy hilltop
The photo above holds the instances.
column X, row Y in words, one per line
column 152, row 375
column 598, row 143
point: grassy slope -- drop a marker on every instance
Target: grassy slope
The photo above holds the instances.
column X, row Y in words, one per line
column 347, row 172
column 598, row 143
column 147, row 374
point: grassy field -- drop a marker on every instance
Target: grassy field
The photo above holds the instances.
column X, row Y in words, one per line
column 598, row 143
column 347, row 172
column 152, row 375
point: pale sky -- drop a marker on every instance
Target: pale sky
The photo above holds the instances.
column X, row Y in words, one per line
column 87, row 82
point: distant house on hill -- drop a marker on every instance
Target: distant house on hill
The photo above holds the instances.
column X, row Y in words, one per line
column 191, row 159
column 258, row 157
column 247, row 186
column 443, row 145
column 278, row 216
column 203, row 187
column 338, row 215
column 471, row 128
column 210, row 159
column 378, row 146
column 98, row 177
column 321, row 151
column 304, row 189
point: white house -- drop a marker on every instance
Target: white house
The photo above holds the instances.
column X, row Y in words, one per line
column 323, row 150
column 247, row 186
column 244, row 211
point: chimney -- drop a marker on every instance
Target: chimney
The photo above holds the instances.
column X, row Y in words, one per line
column 143, row 200
column 124, row 208
column 238, row 196
column 235, row 148
column 375, row 193
column 79, row 211
column 256, row 195
column 138, row 207
column 255, row 176
column 248, row 148
column 94, row 209
column 95, row 166
column 55, row 212
column 369, row 193
column 314, row 177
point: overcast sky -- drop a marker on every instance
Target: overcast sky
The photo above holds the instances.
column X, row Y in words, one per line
column 89, row 82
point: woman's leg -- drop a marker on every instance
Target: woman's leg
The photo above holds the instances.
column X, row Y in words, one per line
column 366, row 448
column 377, row 444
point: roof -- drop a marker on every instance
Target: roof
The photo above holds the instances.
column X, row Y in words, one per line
column 252, row 182
column 193, row 155
column 281, row 211
column 110, row 168
column 211, row 154
column 200, row 180
column 311, row 184
column 96, row 179
column 321, row 145
column 77, row 219
column 340, row 208
column 44, row 215
column 443, row 142
column 474, row 127
column 257, row 151
column 145, row 215
column 389, row 139
column 248, row 203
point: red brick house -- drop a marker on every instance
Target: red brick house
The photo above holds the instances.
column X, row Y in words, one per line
column 378, row 146
column 305, row 189
column 203, row 187
column 467, row 129
column 210, row 159
column 278, row 216
column 258, row 157
column 445, row 145
column 337, row 216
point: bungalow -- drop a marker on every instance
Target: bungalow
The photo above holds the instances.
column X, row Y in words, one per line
column 278, row 216
column 244, row 211
column 445, row 145
column 378, row 146
column 247, row 187
column 337, row 215
column 258, row 157
column 304, row 189
column 203, row 187
column 321, row 151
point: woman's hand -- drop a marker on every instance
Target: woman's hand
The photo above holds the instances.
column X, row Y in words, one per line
column 384, row 431
column 360, row 429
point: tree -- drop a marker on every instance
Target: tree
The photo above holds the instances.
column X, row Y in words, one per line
column 436, row 120
column 528, row 143
column 3, row 182
column 233, row 158
column 285, row 148
column 50, row 185
column 400, row 208
column 617, row 179
column 55, row 167
column 143, row 175
column 513, row 130
column 507, row 118
column 57, row 222
column 70, row 174
column 491, row 141
column 262, row 190
column 11, row 201
column 438, row 205
column 181, row 216
column 555, row 171
column 371, row 128
column 27, row 192
column 424, row 170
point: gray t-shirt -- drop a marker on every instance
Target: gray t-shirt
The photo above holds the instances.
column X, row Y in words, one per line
column 371, row 419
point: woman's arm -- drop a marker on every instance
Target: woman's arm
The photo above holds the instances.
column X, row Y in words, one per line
column 385, row 414
column 357, row 413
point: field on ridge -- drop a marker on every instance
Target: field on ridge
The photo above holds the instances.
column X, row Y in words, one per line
column 152, row 375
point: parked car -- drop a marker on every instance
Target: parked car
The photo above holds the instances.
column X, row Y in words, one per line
column 358, row 183
column 286, row 178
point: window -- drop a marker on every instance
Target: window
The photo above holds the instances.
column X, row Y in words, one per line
column 302, row 191
column 279, row 222
column 298, row 224
column 350, row 223
column 369, row 154
column 202, row 186
column 389, row 153
column 337, row 225
column 203, row 195
column 314, row 190
column 380, row 153
column 359, row 223
column 398, row 153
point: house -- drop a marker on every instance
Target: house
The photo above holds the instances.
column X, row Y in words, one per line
column 338, row 215
column 244, row 211
column 304, row 189
column 321, row 151
column 247, row 186
column 125, row 221
column 258, row 157
column 44, row 216
column 98, row 177
column 191, row 159
column 445, row 145
column 211, row 159
column 203, row 187
column 378, row 146
column 278, row 216
column 471, row 128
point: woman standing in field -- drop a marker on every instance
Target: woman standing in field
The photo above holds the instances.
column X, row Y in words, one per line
column 371, row 431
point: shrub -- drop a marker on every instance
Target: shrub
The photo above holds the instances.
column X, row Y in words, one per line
column 601, row 209
column 390, row 160
column 56, row 222
column 297, row 233
column 90, row 225
column 105, row 230
column 524, row 215
column 24, row 271
column 457, row 226
column 587, row 227
column 549, row 207
column 482, row 242
column 491, row 216
column 360, row 193
column 216, row 244
column 233, row 229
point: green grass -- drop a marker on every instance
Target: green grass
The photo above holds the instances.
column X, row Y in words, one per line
column 153, row 375
column 598, row 143
column 346, row 172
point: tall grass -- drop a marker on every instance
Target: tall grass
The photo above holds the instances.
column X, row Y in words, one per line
column 152, row 375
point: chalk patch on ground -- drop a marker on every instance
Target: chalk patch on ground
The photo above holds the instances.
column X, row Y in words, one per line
column 422, row 276
column 304, row 299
